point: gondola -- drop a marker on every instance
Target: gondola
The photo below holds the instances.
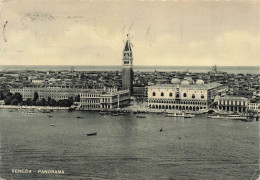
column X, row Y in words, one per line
column 92, row 134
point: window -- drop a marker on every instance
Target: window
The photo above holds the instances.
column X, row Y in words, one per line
column 177, row 95
column 154, row 94
column 202, row 96
column 170, row 94
column 193, row 96
column 184, row 95
column 162, row 94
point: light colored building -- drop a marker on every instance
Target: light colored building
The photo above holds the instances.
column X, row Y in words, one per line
column 100, row 99
column 56, row 93
column 233, row 103
column 254, row 107
column 37, row 81
column 185, row 95
column 2, row 102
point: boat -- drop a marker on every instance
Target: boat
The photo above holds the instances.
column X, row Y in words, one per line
column 215, row 116
column 179, row 114
column 50, row 116
column 189, row 115
column 236, row 117
column 102, row 113
column 230, row 116
column 79, row 117
column 29, row 112
column 114, row 114
column 141, row 116
column 52, row 124
column 46, row 110
column 92, row 134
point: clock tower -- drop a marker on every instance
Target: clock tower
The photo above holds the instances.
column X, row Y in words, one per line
column 127, row 67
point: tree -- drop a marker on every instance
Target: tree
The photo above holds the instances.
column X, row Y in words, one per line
column 18, row 97
column 43, row 102
column 1, row 96
column 52, row 102
column 14, row 102
column 77, row 98
column 8, row 99
column 28, row 102
column 70, row 101
column 35, row 97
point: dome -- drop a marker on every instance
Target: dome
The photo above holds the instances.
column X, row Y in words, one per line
column 185, row 82
column 175, row 81
column 189, row 79
column 199, row 81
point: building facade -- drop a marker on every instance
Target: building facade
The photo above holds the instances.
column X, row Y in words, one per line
column 127, row 67
column 99, row 99
column 254, row 107
column 56, row 93
column 233, row 103
column 184, row 95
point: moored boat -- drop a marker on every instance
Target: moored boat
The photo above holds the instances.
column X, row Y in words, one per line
column 29, row 112
column 189, row 115
column 141, row 116
column 236, row 117
column 114, row 114
column 178, row 114
column 230, row 116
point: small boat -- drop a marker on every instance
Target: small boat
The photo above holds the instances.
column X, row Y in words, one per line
column 52, row 124
column 189, row 115
column 102, row 113
column 141, row 116
column 50, row 116
column 29, row 112
column 92, row 134
column 114, row 114
column 46, row 110
column 79, row 117
column 161, row 130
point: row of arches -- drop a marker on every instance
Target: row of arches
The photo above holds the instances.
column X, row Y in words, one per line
column 177, row 95
column 191, row 108
column 241, row 103
column 178, row 102
column 231, row 108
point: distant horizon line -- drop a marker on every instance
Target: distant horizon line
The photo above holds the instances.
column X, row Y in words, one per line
column 144, row 65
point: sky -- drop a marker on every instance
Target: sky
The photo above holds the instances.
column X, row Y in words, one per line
column 165, row 33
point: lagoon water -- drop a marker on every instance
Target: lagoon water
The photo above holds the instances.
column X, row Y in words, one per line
column 127, row 147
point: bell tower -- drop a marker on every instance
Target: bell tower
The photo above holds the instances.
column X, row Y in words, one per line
column 127, row 67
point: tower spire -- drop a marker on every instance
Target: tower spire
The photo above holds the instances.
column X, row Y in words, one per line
column 127, row 67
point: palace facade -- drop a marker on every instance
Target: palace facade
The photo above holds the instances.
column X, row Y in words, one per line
column 184, row 95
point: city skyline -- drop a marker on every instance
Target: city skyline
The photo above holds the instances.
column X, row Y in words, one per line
column 190, row 33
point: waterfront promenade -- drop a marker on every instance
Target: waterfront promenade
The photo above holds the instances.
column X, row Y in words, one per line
column 32, row 107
